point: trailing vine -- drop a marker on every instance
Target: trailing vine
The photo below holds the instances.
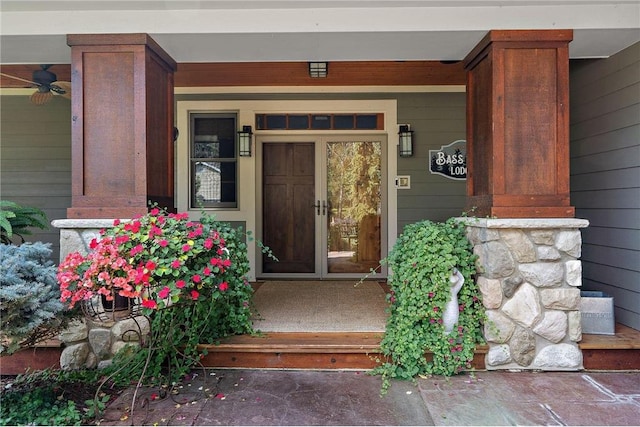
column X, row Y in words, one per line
column 421, row 263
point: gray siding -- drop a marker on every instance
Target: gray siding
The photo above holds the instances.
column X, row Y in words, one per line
column 35, row 165
column 605, row 175
column 437, row 119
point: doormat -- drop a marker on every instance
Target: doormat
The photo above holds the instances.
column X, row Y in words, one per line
column 320, row 306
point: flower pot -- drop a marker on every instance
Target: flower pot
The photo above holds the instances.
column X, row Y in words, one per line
column 118, row 303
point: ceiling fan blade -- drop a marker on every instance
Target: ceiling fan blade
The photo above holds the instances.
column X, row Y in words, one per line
column 20, row 79
column 40, row 98
column 62, row 88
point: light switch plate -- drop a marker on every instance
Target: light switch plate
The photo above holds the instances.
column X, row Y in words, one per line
column 403, row 182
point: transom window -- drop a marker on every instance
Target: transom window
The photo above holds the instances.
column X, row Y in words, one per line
column 340, row 121
column 213, row 160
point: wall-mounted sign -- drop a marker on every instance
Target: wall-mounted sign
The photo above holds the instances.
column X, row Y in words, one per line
column 450, row 160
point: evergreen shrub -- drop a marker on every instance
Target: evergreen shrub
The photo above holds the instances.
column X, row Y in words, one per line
column 29, row 293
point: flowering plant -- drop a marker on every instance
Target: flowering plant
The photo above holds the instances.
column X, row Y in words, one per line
column 160, row 258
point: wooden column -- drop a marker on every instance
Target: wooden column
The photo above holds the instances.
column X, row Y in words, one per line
column 122, row 125
column 518, row 124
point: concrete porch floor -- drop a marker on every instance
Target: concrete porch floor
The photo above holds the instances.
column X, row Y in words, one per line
column 287, row 397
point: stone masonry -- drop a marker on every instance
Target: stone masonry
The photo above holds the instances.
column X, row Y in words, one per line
column 530, row 274
column 93, row 341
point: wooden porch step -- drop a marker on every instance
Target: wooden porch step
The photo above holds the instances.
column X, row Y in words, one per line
column 327, row 350
column 619, row 352
column 43, row 356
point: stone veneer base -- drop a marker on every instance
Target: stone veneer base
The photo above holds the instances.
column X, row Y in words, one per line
column 529, row 281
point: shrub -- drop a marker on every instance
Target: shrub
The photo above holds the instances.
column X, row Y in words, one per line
column 29, row 296
column 422, row 261
column 15, row 220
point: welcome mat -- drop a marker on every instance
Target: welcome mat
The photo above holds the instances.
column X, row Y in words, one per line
column 320, row 306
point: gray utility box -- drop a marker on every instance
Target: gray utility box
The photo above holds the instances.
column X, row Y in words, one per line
column 597, row 313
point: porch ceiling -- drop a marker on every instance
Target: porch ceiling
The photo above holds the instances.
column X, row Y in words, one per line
column 34, row 32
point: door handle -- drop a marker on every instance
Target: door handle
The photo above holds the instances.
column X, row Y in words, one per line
column 324, row 207
column 317, row 206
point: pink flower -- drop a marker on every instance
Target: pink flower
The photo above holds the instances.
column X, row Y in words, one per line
column 164, row 293
column 175, row 263
column 180, row 284
column 150, row 265
column 136, row 250
column 194, row 295
column 223, row 286
column 149, row 303
column 206, row 271
column 196, row 278
column 116, row 222
column 186, row 247
column 164, row 243
column 122, row 239
column 154, row 211
column 208, row 244
column 155, row 231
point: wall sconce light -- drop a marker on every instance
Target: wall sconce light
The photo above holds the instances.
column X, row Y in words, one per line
column 244, row 141
column 318, row 69
column 405, row 135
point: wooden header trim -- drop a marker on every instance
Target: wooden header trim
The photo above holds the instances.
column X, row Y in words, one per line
column 345, row 73
column 269, row 74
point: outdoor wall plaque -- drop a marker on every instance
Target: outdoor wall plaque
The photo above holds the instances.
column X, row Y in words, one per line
column 450, row 160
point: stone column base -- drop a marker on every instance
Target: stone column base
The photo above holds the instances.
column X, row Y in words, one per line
column 530, row 274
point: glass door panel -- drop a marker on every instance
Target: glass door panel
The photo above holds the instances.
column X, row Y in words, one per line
column 354, row 206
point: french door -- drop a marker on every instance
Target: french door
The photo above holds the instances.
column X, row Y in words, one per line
column 322, row 204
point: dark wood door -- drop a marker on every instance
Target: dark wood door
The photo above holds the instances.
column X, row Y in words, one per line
column 288, row 212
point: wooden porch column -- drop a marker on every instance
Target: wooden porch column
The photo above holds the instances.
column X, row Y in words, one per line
column 518, row 124
column 122, row 125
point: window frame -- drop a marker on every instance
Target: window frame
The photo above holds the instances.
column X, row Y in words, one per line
column 193, row 160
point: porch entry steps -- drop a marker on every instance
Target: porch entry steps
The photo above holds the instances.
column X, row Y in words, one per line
column 619, row 352
column 300, row 350
column 329, row 350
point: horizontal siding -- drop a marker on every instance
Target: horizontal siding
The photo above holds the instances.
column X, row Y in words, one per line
column 623, row 198
column 628, row 259
column 603, row 236
column 602, row 143
column 613, row 218
column 437, row 119
column 35, row 165
column 619, row 178
column 606, row 91
column 605, row 176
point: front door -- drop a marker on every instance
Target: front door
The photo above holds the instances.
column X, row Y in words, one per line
column 322, row 204
column 288, row 221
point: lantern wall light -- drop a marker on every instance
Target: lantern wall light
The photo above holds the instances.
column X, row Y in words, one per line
column 405, row 137
column 244, row 141
column 318, row 69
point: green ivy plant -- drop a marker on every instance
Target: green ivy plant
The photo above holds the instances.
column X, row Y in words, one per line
column 421, row 263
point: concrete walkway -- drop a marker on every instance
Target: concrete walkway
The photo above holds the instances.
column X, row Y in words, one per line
column 277, row 397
